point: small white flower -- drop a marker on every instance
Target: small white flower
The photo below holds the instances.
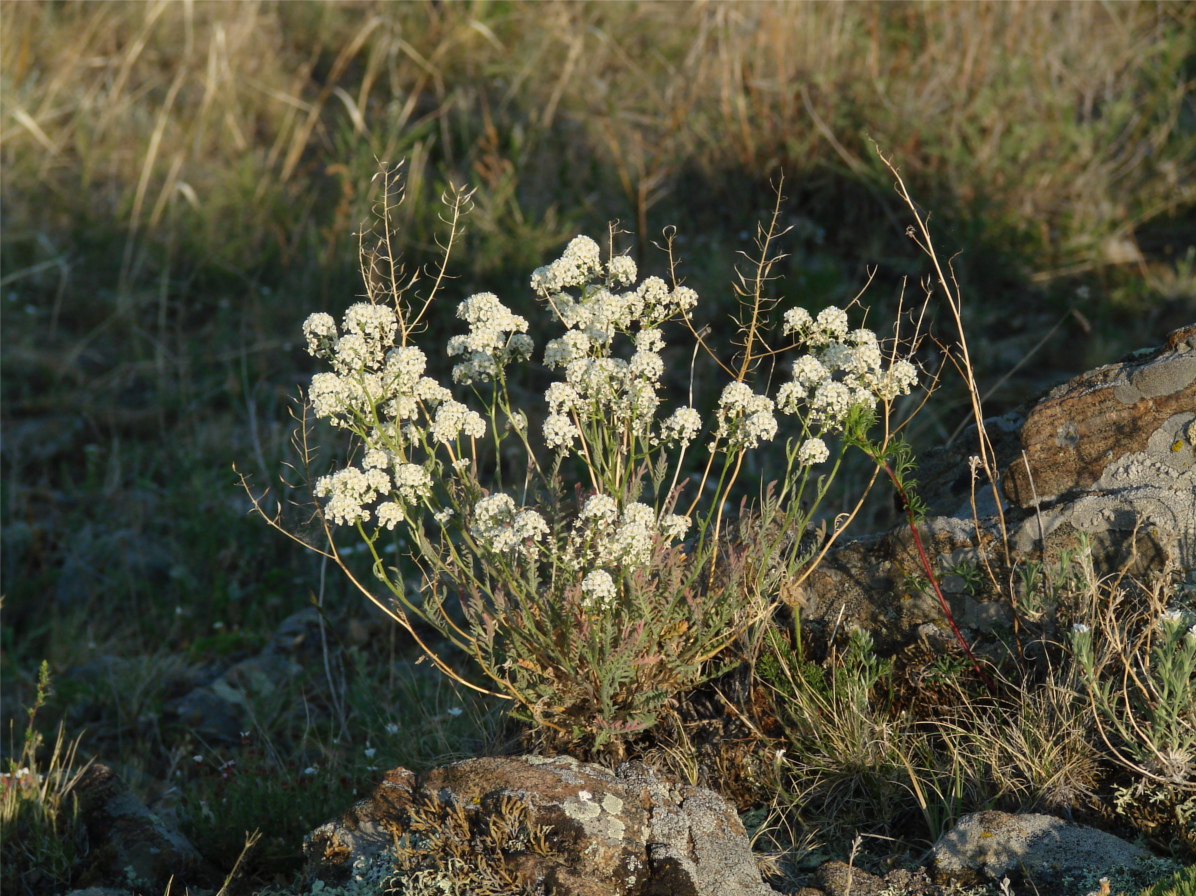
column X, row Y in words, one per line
column 630, row 545
column 320, row 331
column 375, row 459
column 1173, row 618
column 559, row 432
column 836, row 356
column 653, row 292
column 899, row 380
column 830, row 404
column 832, row 322
column 494, row 509
column 413, row 482
column 647, row 366
column 735, row 396
column 812, row 451
column 797, row 320
column 745, row 419
column 406, row 363
column 673, row 525
column 392, row 728
column 443, row 515
column 431, row 392
column 621, row 270
column 559, row 352
column 602, row 508
column 370, row 752
column 581, row 261
column 598, row 588
column 390, row 514
column 528, row 524
column 453, row 419
column 499, row 527
column 1080, row 628
column 562, row 397
column 350, row 492
column 649, row 340
column 454, row 711
column 683, row 426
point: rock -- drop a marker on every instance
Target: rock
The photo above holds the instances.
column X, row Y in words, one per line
column 220, row 710
column 129, row 845
column 570, row 828
column 841, row 879
column 1040, row 850
column 1080, row 431
column 1108, row 458
column 1111, row 452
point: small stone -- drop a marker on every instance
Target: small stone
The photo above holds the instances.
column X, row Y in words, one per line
column 1041, row 849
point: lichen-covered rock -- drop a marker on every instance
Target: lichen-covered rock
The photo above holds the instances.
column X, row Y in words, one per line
column 551, row 824
column 128, row 844
column 1035, row 849
column 1081, row 433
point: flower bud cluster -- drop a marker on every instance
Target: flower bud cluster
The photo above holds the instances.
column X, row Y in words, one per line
column 496, row 337
column 379, row 391
column 605, row 539
column 598, row 386
column 500, row 526
column 841, row 369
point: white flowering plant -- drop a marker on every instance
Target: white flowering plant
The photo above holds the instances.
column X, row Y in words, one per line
column 605, row 576
column 1136, row 668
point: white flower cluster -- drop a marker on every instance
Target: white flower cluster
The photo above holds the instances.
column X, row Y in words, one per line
column 454, row 418
column 598, row 590
column 621, row 392
column 496, row 337
column 500, row 527
column 605, row 538
column 581, row 262
column 842, row 368
column 368, row 331
column 682, row 426
column 744, row 418
column 374, row 384
column 348, row 490
column 379, row 390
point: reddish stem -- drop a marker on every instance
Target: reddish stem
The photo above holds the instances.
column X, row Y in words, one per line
column 913, row 527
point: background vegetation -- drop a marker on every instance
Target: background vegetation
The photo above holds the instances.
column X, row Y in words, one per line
column 182, row 185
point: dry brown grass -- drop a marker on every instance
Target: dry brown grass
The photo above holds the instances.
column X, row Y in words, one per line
column 1060, row 124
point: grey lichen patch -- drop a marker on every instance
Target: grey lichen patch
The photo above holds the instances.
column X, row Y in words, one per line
column 614, row 828
column 1174, row 443
column 1068, row 435
column 1163, row 377
column 581, row 810
column 612, row 804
